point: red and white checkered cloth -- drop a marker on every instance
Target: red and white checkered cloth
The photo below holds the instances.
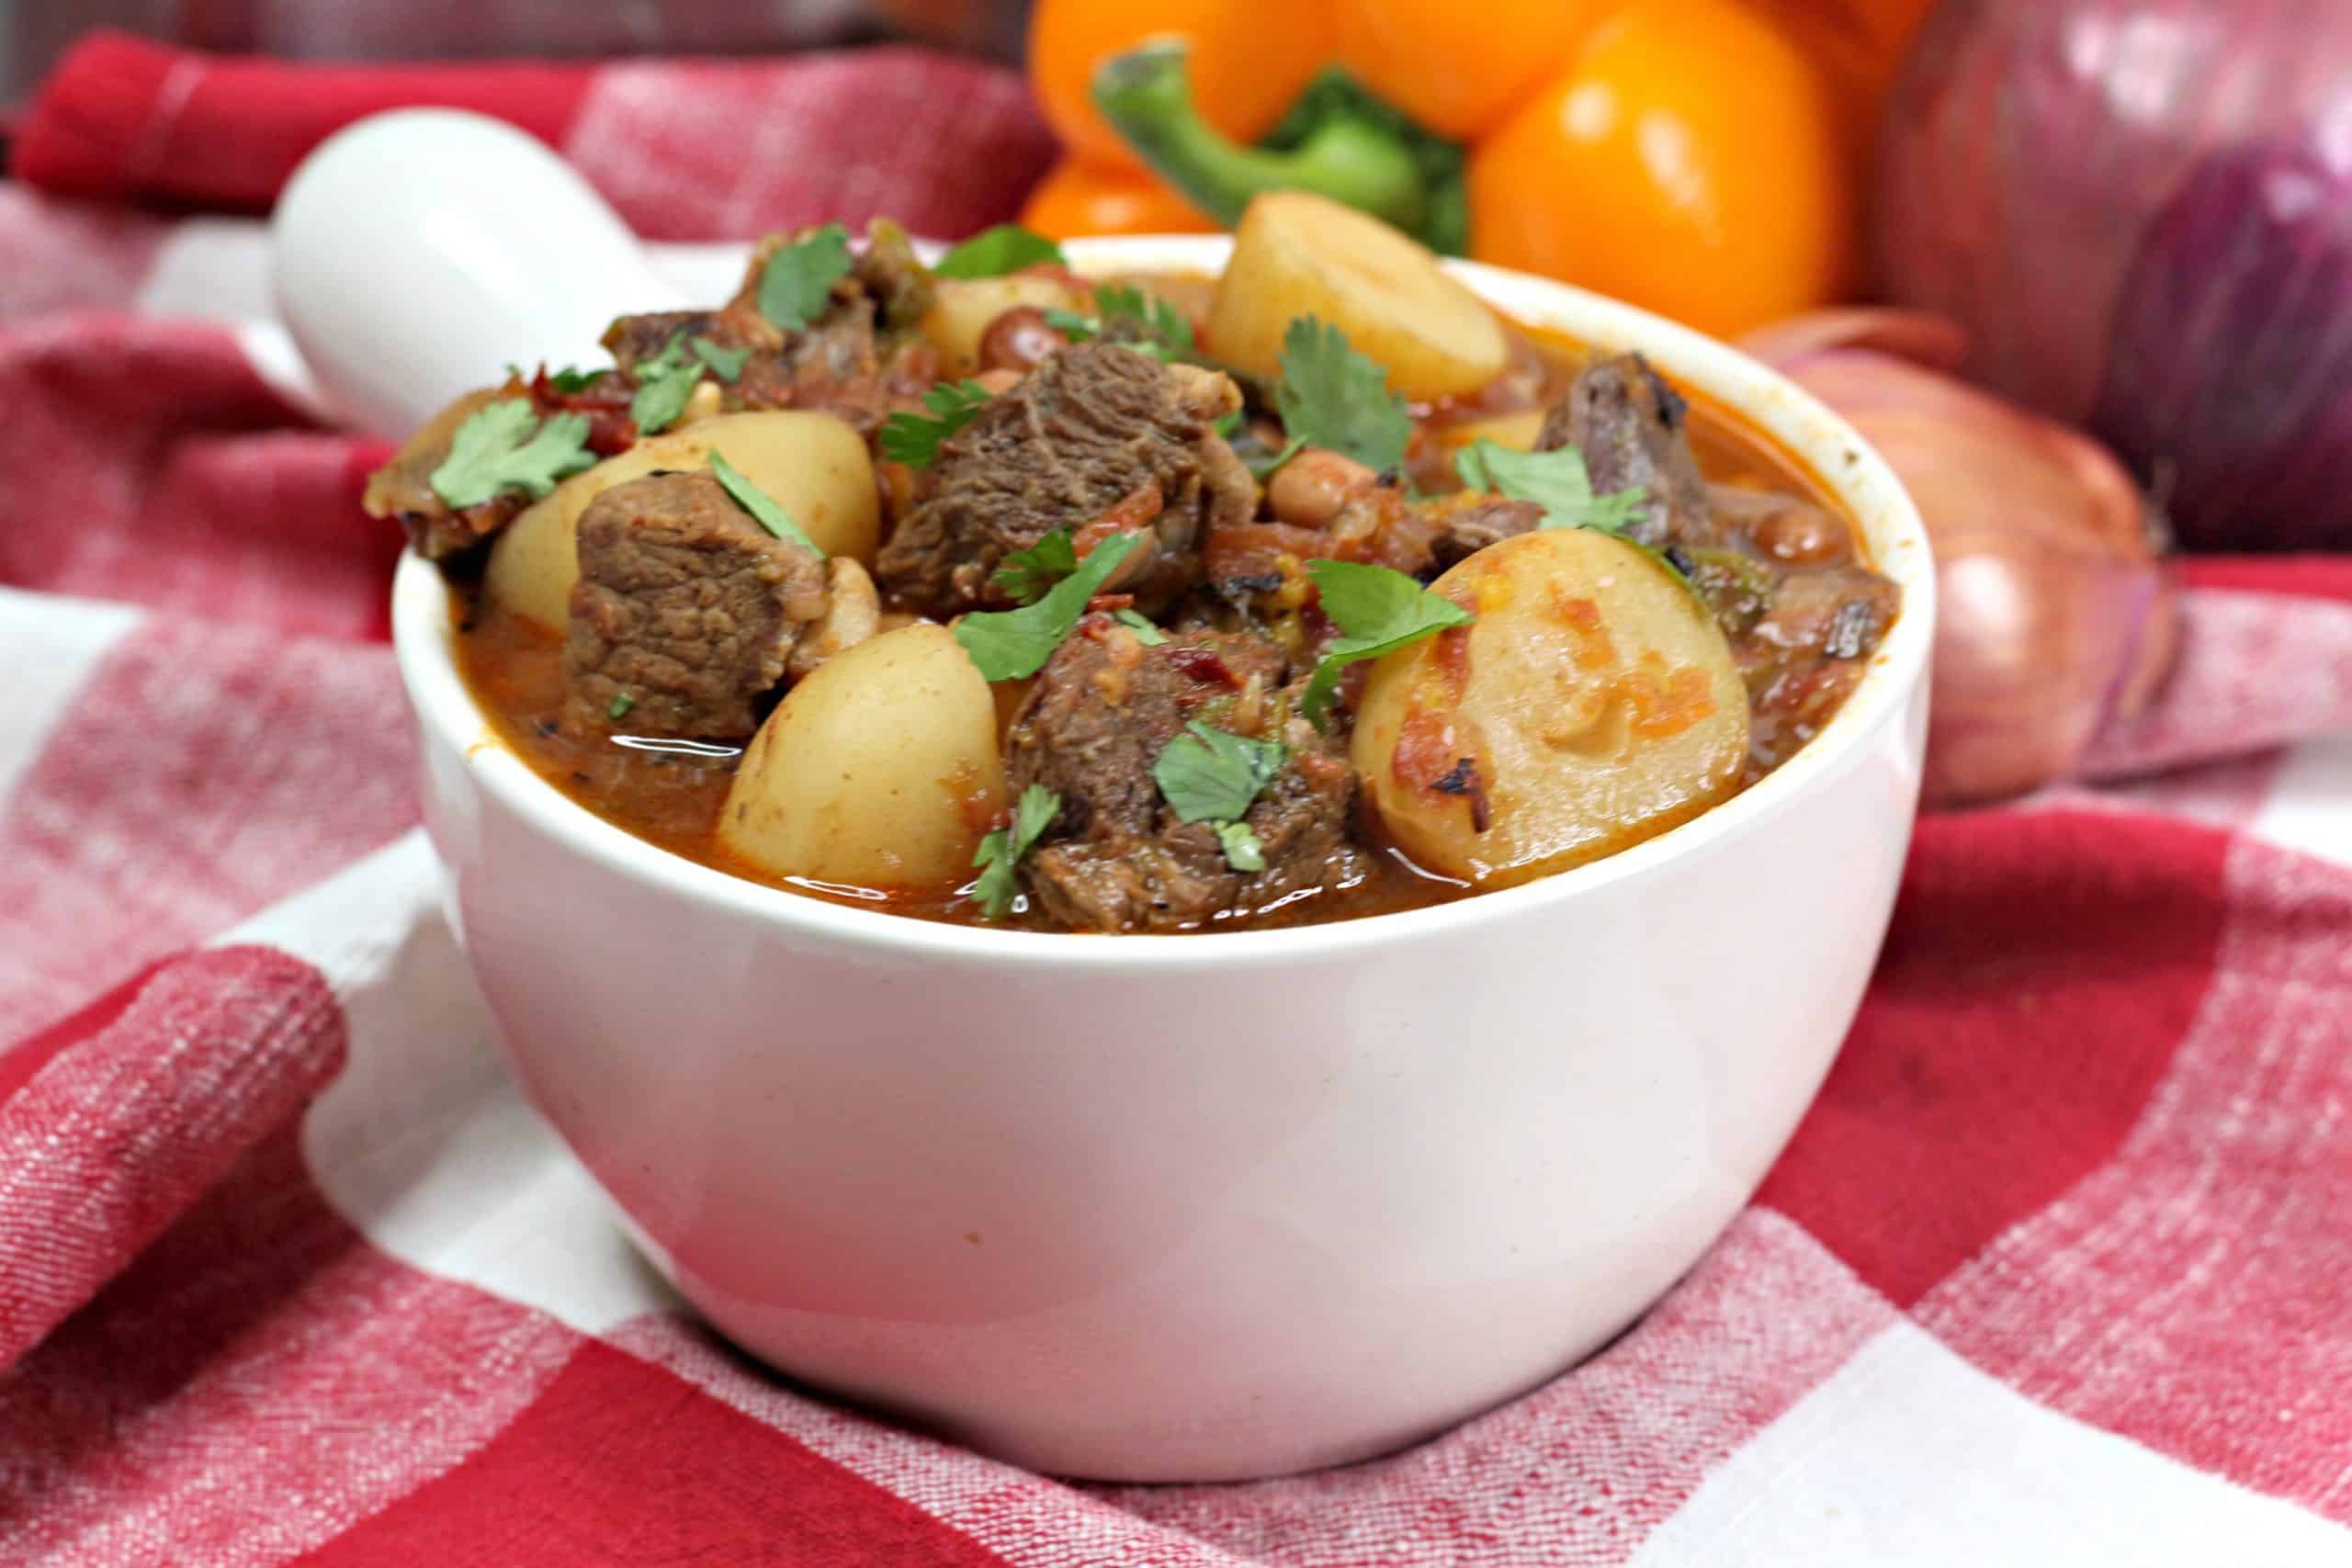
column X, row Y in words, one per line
column 2059, row 1270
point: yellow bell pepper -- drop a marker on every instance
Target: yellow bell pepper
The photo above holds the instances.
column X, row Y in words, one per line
column 1699, row 157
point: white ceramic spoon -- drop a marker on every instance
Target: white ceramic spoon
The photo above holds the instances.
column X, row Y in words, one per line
column 417, row 252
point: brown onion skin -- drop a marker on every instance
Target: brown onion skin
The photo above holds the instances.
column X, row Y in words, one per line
column 2055, row 611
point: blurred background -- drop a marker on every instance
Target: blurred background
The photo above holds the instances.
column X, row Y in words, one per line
column 34, row 33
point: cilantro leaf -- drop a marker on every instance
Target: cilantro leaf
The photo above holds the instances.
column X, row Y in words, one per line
column 725, row 363
column 1154, row 326
column 570, row 378
column 1557, row 480
column 1331, row 396
column 1026, row 574
column 1212, row 775
column 760, row 504
column 992, row 253
column 502, row 446
column 1001, row 850
column 620, row 705
column 1242, row 850
column 1227, row 422
column 1377, row 611
column 1165, row 328
column 798, row 279
column 1141, row 624
column 1007, row 644
column 663, row 384
column 1261, row 464
column 914, row 439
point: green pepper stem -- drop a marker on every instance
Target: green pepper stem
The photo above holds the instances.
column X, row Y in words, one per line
column 1146, row 94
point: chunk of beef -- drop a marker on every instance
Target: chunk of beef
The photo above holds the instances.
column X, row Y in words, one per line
column 633, row 340
column 1116, row 857
column 1098, row 434
column 1469, row 523
column 1833, row 611
column 893, row 276
column 1385, row 527
column 686, row 607
column 1628, row 424
column 402, row 491
column 853, row 360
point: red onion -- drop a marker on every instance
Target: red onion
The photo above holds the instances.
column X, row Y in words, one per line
column 2054, row 612
column 2141, row 212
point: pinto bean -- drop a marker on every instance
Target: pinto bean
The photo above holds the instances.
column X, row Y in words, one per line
column 852, row 613
column 1309, row 490
column 1019, row 340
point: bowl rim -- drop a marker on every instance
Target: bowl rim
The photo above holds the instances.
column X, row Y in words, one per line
column 424, row 649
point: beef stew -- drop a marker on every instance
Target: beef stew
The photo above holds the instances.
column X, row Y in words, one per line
column 1012, row 600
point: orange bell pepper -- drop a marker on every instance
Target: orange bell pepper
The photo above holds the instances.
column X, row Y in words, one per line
column 1690, row 159
column 1078, row 197
column 1458, row 70
column 1253, row 59
column 1699, row 157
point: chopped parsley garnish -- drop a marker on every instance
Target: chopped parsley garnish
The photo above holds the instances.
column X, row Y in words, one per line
column 724, row 362
column 1555, row 480
column 1141, row 624
column 1332, row 397
column 502, row 445
column 1009, row 644
column 1001, row 850
column 1227, row 422
column 913, row 439
column 1154, row 326
column 992, row 253
column 620, row 705
column 1262, row 464
column 1026, row 574
column 757, row 501
column 1377, row 611
column 1167, row 326
column 1212, row 775
column 1260, row 459
column 663, row 384
column 1242, row 850
column 798, row 279
column 568, row 380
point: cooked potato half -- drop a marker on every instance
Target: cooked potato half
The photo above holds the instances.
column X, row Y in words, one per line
column 1516, row 431
column 965, row 306
column 814, row 466
column 1591, row 704
column 880, row 770
column 1296, row 255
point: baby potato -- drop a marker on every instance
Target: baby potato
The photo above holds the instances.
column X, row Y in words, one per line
column 1297, row 254
column 964, row 307
column 880, row 770
column 814, row 466
column 1592, row 704
column 1516, row 431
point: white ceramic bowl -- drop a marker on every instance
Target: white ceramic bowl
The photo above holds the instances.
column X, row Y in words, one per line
column 1211, row 1206
column 1206, row 1206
